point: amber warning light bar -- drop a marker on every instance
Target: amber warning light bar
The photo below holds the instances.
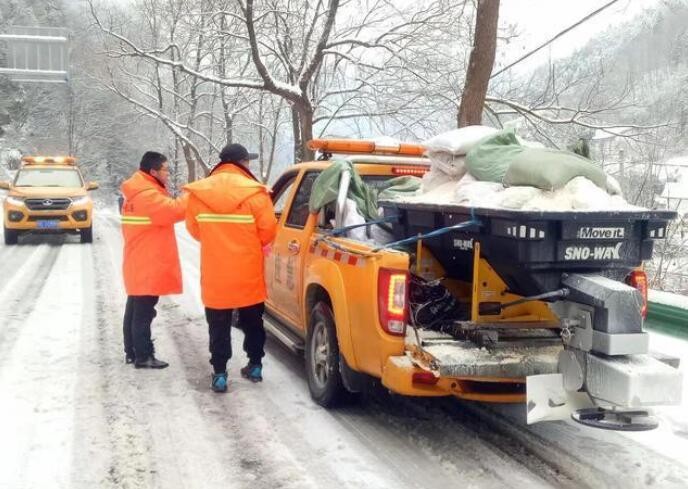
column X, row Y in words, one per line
column 49, row 160
column 360, row 146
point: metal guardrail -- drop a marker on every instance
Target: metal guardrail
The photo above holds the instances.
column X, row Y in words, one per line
column 667, row 318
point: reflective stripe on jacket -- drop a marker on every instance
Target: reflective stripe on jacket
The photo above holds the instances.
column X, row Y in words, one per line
column 151, row 260
column 231, row 214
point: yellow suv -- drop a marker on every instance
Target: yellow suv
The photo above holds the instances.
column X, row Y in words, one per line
column 48, row 195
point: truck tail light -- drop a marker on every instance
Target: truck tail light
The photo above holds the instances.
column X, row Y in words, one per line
column 426, row 378
column 416, row 171
column 392, row 293
column 638, row 279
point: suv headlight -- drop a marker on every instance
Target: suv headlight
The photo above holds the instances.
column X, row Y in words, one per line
column 84, row 199
column 15, row 201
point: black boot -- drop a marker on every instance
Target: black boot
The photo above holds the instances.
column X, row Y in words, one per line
column 150, row 362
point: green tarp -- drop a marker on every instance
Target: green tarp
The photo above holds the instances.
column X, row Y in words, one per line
column 502, row 159
column 326, row 188
column 489, row 160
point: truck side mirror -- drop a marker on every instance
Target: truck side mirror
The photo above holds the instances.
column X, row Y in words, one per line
column 4, row 185
column 92, row 186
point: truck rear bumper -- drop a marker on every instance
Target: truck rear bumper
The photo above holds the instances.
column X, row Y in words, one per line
column 402, row 376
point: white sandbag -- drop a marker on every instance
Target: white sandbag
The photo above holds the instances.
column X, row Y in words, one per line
column 352, row 217
column 441, row 194
column 458, row 141
column 586, row 195
column 558, row 201
column 613, row 186
column 433, row 179
column 451, row 166
column 580, row 194
column 516, row 197
column 379, row 236
column 471, row 192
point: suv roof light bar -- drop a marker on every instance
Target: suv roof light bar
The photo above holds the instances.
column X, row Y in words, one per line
column 48, row 160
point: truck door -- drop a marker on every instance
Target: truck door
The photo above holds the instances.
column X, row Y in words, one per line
column 289, row 251
column 282, row 193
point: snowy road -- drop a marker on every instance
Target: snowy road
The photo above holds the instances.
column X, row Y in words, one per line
column 73, row 415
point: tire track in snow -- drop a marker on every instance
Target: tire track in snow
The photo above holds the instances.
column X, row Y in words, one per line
column 399, row 454
column 39, row 372
column 19, row 296
column 130, row 462
column 419, row 444
column 187, row 448
column 265, row 461
column 8, row 259
column 588, row 456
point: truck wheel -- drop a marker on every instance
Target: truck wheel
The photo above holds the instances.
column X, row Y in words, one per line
column 11, row 236
column 322, row 358
column 87, row 235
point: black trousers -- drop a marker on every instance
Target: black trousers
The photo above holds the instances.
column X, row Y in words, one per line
column 219, row 330
column 138, row 316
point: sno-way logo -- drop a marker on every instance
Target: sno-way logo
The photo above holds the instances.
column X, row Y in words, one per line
column 463, row 244
column 600, row 233
column 593, row 252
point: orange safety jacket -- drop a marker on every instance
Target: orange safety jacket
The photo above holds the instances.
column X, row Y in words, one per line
column 151, row 259
column 231, row 214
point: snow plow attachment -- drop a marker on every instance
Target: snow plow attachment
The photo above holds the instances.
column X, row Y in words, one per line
column 552, row 286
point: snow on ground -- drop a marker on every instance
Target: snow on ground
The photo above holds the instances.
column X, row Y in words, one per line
column 74, row 415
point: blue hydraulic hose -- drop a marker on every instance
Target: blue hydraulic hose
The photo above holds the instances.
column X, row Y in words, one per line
column 431, row 234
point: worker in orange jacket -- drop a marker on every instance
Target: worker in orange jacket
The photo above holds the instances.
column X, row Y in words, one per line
column 230, row 212
column 151, row 261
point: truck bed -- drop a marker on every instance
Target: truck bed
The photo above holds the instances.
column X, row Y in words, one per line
column 531, row 249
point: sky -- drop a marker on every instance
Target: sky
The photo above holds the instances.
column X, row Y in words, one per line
column 539, row 20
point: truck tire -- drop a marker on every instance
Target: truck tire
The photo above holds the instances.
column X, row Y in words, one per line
column 322, row 358
column 87, row 235
column 11, row 236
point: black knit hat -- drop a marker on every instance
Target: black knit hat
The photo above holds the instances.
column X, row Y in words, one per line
column 235, row 153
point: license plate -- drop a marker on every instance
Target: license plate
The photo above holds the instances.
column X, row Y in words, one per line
column 48, row 224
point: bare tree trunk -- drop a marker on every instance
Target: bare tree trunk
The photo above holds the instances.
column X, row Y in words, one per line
column 296, row 128
column 190, row 162
column 480, row 64
column 261, row 118
column 306, row 116
column 273, row 142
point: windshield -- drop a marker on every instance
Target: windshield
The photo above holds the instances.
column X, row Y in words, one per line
column 48, row 177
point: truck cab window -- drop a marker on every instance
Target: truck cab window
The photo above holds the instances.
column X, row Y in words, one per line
column 298, row 214
column 281, row 193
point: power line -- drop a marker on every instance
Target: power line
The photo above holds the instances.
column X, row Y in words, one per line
column 546, row 43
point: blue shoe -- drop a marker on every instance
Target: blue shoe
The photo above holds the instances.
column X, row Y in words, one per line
column 253, row 372
column 219, row 382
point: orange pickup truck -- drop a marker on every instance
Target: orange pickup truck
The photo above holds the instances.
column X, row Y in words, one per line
column 483, row 304
column 345, row 304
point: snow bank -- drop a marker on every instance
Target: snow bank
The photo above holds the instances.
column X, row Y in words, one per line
column 668, row 299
